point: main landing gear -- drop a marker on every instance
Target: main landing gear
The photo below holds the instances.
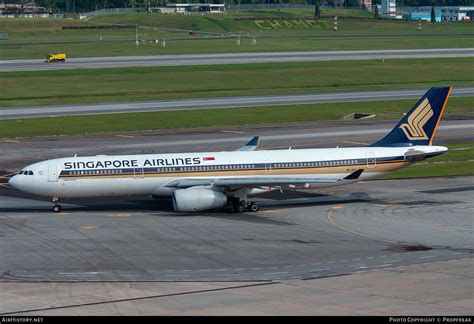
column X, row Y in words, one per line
column 239, row 206
column 57, row 207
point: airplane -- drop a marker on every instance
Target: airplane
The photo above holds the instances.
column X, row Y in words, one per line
column 204, row 181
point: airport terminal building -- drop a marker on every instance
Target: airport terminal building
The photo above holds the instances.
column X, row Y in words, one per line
column 457, row 13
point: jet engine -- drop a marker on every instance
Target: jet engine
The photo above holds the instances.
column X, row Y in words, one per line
column 197, row 199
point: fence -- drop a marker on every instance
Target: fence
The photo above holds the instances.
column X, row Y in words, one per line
column 112, row 10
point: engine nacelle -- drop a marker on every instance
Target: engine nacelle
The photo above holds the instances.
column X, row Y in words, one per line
column 195, row 199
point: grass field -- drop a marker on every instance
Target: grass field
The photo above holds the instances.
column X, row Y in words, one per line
column 208, row 118
column 149, row 83
column 35, row 38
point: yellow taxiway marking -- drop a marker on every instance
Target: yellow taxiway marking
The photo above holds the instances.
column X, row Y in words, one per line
column 5, row 185
column 358, row 143
column 10, row 141
column 331, row 220
column 337, row 207
column 88, row 227
column 381, row 205
column 119, row 215
column 126, row 136
column 62, row 214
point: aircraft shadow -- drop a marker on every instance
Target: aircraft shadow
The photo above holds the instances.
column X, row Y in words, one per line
column 141, row 204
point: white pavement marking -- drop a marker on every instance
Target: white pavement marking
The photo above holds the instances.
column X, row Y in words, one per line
column 177, row 275
column 375, row 266
column 236, row 132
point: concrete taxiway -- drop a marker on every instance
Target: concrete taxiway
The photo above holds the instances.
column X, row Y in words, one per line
column 388, row 247
column 380, row 244
column 431, row 289
column 208, row 103
column 230, row 58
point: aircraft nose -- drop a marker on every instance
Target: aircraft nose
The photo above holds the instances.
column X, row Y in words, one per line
column 13, row 181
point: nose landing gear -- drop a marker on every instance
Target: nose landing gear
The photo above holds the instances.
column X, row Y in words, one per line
column 57, row 207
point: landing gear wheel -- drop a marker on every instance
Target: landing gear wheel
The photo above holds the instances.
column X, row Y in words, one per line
column 239, row 208
column 57, row 208
column 253, row 207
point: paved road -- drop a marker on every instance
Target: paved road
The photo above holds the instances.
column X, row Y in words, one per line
column 231, row 58
column 205, row 103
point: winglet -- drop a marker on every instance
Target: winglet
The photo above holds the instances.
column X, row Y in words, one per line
column 254, row 141
column 251, row 145
column 354, row 175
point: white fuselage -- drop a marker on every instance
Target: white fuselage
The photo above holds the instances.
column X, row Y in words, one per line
column 96, row 176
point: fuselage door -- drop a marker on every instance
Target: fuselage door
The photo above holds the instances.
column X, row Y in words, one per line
column 371, row 160
column 268, row 167
column 52, row 173
column 138, row 173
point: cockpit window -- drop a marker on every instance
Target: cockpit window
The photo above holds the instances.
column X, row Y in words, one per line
column 30, row 172
column 21, row 172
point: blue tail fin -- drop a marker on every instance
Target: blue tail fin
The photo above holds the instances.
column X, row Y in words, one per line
column 418, row 127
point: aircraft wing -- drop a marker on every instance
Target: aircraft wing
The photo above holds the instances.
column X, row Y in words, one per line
column 250, row 146
column 256, row 182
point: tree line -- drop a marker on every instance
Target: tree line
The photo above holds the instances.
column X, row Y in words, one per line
column 90, row 5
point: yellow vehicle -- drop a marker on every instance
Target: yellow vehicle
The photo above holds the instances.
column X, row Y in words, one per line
column 56, row 58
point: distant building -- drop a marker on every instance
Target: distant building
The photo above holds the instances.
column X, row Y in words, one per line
column 23, row 11
column 366, row 3
column 455, row 13
column 448, row 13
column 185, row 8
column 164, row 10
column 389, row 8
column 423, row 14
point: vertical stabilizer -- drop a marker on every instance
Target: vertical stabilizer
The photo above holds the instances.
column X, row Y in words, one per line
column 419, row 125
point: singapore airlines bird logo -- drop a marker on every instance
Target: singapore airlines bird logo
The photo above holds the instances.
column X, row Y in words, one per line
column 417, row 120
